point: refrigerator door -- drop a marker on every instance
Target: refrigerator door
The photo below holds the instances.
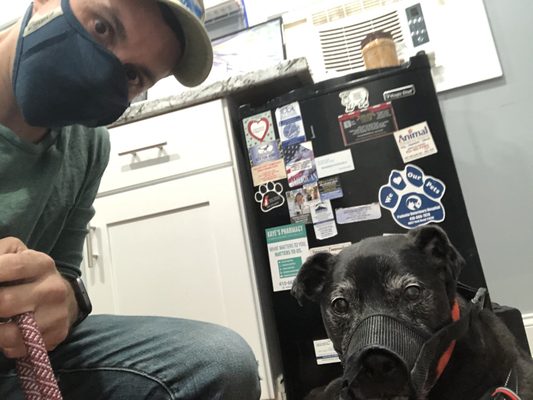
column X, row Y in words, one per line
column 356, row 117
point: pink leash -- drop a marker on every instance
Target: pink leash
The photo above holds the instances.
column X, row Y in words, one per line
column 34, row 370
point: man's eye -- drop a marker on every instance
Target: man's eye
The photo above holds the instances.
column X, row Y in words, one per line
column 131, row 74
column 100, row 27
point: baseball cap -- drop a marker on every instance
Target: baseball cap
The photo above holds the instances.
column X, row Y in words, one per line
column 197, row 59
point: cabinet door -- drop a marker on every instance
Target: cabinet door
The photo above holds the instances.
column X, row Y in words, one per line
column 176, row 249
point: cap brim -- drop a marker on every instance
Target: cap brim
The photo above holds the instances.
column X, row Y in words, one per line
column 197, row 60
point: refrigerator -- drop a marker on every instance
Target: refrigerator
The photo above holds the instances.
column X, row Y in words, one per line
column 330, row 164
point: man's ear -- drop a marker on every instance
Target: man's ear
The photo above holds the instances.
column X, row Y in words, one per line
column 435, row 244
column 311, row 278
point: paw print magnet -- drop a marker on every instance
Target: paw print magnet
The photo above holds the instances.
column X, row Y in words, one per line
column 270, row 196
column 413, row 198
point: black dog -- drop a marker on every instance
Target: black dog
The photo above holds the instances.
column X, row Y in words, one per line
column 391, row 309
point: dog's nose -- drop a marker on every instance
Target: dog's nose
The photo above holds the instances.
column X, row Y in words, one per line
column 382, row 374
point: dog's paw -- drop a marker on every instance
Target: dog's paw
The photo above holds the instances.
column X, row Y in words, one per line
column 270, row 196
column 413, row 198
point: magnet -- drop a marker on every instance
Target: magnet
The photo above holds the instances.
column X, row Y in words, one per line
column 264, row 152
column 300, row 164
column 268, row 172
column 287, row 249
column 330, row 188
column 290, row 123
column 415, row 142
column 270, row 196
column 258, row 129
column 416, row 201
column 371, row 123
column 299, row 204
column 354, row 99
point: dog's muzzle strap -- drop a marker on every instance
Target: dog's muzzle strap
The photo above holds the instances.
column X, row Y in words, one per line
column 382, row 332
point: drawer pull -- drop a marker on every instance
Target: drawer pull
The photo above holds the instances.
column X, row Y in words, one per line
column 138, row 150
column 92, row 256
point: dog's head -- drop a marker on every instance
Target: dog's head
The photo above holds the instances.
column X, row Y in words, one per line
column 398, row 287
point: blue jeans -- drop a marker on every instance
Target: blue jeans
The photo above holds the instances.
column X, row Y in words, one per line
column 141, row 358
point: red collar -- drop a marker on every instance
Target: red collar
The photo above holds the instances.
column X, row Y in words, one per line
column 445, row 358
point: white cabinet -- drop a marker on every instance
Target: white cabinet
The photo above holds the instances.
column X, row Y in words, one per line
column 177, row 246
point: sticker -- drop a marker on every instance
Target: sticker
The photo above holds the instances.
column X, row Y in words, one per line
column 324, row 352
column 373, row 123
column 300, row 164
column 415, row 142
column 258, row 129
column 330, row 188
column 350, row 215
column 332, row 248
column 290, row 123
column 287, row 248
column 321, row 211
column 334, row 163
column 399, row 93
column 413, row 198
column 270, row 196
column 325, row 230
column 300, row 202
column 264, row 152
column 354, row 99
column 268, row 172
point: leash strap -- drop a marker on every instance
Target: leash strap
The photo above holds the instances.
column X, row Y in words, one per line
column 34, row 370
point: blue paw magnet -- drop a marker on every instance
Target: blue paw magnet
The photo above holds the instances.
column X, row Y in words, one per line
column 413, row 198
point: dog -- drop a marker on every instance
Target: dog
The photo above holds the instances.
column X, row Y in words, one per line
column 391, row 309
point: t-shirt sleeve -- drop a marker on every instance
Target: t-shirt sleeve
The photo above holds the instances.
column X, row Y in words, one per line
column 68, row 250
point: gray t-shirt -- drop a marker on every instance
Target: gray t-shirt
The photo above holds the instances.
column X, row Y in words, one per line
column 47, row 190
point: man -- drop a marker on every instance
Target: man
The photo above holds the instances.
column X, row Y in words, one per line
column 66, row 68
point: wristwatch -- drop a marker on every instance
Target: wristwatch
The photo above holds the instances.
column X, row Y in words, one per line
column 82, row 298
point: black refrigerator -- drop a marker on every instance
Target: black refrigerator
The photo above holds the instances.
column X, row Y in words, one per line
column 330, row 164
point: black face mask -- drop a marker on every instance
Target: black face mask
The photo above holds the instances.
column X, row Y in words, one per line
column 416, row 353
column 62, row 76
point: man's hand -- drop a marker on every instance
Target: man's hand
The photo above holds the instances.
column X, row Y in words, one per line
column 29, row 281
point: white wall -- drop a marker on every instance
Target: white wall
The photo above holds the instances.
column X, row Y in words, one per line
column 10, row 10
column 490, row 128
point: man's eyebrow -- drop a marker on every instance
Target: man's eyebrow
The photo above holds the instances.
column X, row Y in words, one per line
column 118, row 25
column 123, row 37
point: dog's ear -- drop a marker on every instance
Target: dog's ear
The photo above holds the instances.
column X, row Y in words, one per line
column 311, row 278
column 434, row 242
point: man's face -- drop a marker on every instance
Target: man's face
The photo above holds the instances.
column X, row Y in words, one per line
column 134, row 30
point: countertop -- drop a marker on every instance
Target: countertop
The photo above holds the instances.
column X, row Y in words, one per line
column 249, row 88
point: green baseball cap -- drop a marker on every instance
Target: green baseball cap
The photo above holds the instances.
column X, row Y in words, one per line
column 197, row 59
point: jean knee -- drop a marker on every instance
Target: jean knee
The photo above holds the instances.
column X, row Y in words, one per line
column 235, row 363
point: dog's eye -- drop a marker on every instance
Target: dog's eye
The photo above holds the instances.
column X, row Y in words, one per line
column 412, row 292
column 340, row 305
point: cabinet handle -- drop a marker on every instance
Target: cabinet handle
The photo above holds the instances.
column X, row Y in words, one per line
column 91, row 255
column 138, row 150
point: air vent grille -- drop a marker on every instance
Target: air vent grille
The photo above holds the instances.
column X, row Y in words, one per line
column 341, row 11
column 341, row 45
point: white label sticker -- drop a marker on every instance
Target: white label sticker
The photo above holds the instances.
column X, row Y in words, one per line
column 325, row 230
column 325, row 353
column 415, row 142
column 332, row 248
column 334, row 163
column 359, row 213
column 321, row 211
